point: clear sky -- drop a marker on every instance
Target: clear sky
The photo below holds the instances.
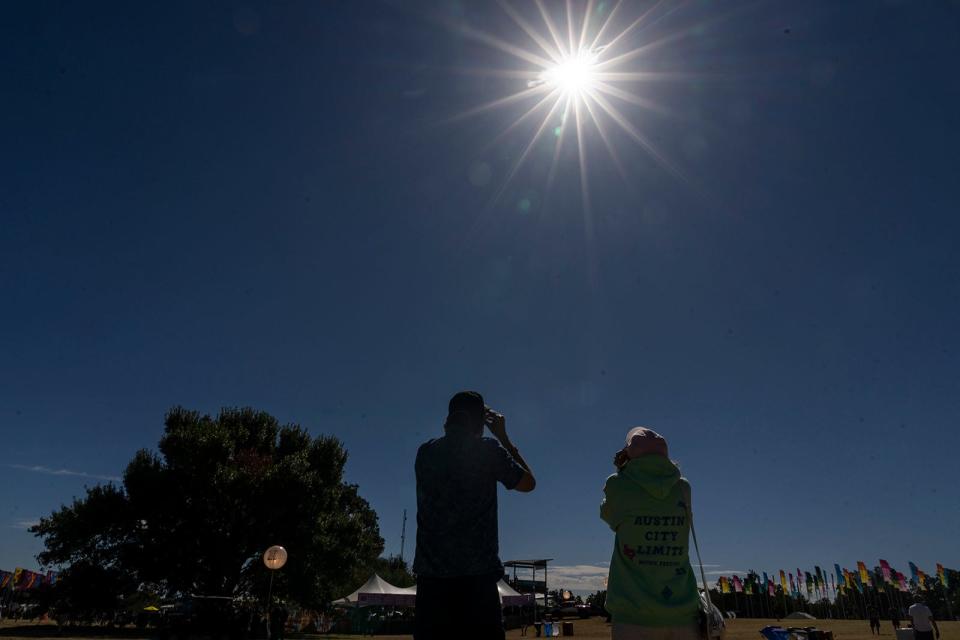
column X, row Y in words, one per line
column 212, row 204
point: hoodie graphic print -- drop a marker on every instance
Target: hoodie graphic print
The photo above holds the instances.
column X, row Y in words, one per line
column 651, row 582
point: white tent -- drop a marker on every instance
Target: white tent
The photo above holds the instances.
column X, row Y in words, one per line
column 509, row 597
column 378, row 591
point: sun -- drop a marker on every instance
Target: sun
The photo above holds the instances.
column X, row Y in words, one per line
column 582, row 80
column 576, row 76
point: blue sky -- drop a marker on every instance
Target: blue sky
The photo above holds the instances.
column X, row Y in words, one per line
column 228, row 204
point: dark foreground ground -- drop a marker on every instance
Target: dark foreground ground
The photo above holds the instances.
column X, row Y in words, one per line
column 592, row 629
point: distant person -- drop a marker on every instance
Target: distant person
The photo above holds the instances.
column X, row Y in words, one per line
column 874, row 616
column 922, row 619
column 457, row 560
column 895, row 618
column 651, row 590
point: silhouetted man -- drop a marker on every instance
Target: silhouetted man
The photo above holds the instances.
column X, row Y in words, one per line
column 457, row 561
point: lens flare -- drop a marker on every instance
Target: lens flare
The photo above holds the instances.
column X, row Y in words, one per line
column 582, row 78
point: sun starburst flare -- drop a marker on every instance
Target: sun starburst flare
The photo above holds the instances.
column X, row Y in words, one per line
column 585, row 77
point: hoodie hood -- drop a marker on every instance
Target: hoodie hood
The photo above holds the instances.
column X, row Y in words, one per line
column 655, row 473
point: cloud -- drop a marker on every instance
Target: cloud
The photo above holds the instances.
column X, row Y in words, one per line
column 62, row 472
column 724, row 572
column 578, row 577
column 23, row 525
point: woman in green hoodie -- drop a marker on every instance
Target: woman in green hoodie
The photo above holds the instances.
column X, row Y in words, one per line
column 651, row 591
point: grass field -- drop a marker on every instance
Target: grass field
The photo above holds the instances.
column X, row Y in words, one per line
column 592, row 629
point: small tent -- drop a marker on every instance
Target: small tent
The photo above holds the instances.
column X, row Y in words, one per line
column 799, row 615
column 377, row 591
column 509, row 597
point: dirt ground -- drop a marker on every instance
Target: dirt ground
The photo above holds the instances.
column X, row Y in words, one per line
column 592, row 629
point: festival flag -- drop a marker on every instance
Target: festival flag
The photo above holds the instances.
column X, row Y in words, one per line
column 833, row 585
column 923, row 579
column 942, row 575
column 857, row 581
column 864, row 574
column 809, row 581
column 885, row 569
column 902, row 582
column 724, row 585
column 783, row 580
column 793, row 585
column 914, row 573
column 737, row 585
column 17, row 577
column 749, row 586
column 765, row 581
column 840, row 579
column 771, row 590
column 5, row 578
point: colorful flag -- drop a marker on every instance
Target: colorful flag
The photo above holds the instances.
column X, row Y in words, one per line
column 793, row 585
column 724, row 585
column 765, row 581
column 783, row 581
column 840, row 579
column 942, row 575
column 771, row 590
column 923, row 579
column 809, row 581
column 5, row 578
column 749, row 586
column 914, row 573
column 885, row 569
column 902, row 579
column 737, row 584
column 864, row 574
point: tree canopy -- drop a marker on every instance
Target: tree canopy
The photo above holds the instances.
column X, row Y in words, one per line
column 196, row 516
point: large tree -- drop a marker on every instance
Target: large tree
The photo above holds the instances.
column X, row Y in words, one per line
column 195, row 517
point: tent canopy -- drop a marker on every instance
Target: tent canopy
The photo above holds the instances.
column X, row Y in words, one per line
column 510, row 597
column 799, row 615
column 378, row 591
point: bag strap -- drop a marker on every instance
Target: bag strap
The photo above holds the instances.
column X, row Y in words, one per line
column 696, row 546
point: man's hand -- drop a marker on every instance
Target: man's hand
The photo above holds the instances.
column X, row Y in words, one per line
column 620, row 458
column 497, row 425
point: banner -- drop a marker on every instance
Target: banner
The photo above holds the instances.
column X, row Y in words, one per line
column 942, row 575
column 783, row 582
column 724, row 585
column 902, row 582
column 771, row 590
column 914, row 572
column 737, row 585
column 885, row 570
column 864, row 574
column 5, row 577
